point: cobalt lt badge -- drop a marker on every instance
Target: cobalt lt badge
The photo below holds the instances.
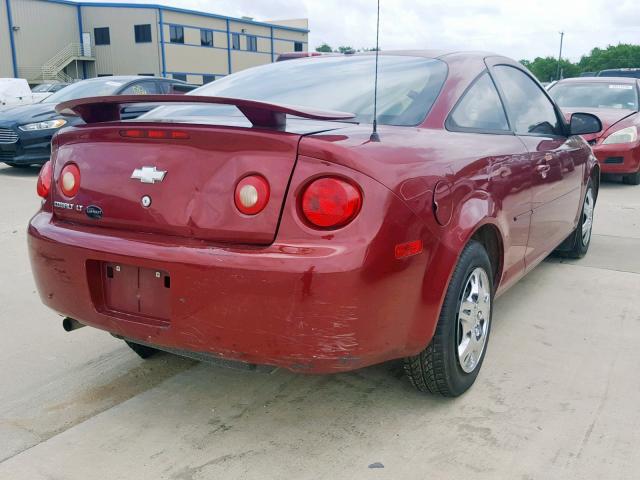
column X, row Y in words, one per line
column 94, row 212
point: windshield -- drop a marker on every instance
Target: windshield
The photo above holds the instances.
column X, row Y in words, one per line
column 595, row 95
column 42, row 88
column 86, row 88
column 407, row 88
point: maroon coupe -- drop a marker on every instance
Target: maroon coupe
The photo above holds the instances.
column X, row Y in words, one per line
column 262, row 222
column 616, row 102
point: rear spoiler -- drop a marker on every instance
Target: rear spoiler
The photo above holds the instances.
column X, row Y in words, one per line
column 260, row 114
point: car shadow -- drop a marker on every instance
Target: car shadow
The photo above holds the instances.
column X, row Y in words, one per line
column 27, row 172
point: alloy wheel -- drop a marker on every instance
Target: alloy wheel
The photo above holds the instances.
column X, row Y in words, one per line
column 474, row 316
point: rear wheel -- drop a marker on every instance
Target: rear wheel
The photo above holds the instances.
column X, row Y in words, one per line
column 632, row 178
column 142, row 350
column 451, row 362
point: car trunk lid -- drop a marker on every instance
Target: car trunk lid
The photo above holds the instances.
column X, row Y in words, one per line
column 181, row 187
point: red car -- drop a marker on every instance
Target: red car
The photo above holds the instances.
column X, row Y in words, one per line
column 615, row 102
column 262, row 222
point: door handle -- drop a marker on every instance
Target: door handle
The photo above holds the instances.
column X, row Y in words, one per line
column 543, row 170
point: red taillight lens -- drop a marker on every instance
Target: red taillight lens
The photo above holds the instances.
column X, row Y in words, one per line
column 331, row 202
column 154, row 134
column 252, row 194
column 44, row 180
column 70, row 180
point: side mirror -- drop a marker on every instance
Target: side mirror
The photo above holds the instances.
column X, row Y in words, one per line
column 584, row 123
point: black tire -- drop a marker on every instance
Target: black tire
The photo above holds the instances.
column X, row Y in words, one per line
column 575, row 246
column 142, row 350
column 632, row 178
column 437, row 368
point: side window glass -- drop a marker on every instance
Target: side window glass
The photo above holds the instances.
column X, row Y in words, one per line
column 532, row 111
column 479, row 109
column 141, row 88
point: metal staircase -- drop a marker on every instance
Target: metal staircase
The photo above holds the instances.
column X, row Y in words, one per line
column 53, row 69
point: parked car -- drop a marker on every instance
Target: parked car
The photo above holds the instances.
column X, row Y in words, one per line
column 271, row 225
column 615, row 102
column 14, row 91
column 44, row 90
column 26, row 131
column 620, row 72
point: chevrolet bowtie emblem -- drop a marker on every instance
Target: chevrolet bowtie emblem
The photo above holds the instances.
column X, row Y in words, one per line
column 148, row 174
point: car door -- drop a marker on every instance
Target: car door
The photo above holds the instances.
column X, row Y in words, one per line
column 557, row 168
column 481, row 117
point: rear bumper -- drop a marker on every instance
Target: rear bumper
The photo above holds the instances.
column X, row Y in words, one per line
column 305, row 307
column 620, row 159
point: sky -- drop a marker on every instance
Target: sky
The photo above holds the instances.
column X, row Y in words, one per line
column 518, row 29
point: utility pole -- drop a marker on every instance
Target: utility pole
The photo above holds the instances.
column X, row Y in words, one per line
column 559, row 56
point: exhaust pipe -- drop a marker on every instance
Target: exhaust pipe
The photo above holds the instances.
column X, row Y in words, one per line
column 69, row 324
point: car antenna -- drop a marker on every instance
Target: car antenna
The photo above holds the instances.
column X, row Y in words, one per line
column 374, row 135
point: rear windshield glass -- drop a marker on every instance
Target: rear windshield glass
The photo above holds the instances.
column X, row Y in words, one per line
column 407, row 88
column 595, row 95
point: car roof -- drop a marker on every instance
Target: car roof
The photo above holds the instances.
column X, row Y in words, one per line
column 433, row 53
column 628, row 80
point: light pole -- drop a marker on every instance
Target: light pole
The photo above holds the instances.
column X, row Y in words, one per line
column 559, row 56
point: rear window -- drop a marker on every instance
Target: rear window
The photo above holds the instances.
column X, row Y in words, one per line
column 407, row 88
column 595, row 95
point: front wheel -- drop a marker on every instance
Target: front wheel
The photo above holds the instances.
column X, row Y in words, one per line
column 451, row 362
column 578, row 243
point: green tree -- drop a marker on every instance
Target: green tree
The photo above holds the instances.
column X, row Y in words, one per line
column 622, row 55
column 324, row 48
column 345, row 49
column 546, row 69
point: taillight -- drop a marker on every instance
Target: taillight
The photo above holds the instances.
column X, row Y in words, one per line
column 44, row 180
column 330, row 202
column 70, row 180
column 252, row 194
column 154, row 134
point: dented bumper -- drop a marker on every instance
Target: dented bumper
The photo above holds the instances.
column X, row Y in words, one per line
column 304, row 307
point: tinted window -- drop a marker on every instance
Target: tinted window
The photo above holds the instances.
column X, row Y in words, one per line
column 480, row 108
column 595, row 95
column 235, row 41
column 101, row 36
column 206, row 38
column 142, row 88
column 142, row 33
column 180, row 76
column 208, row 79
column 252, row 43
column 176, row 34
column 407, row 87
column 530, row 110
column 297, row 47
